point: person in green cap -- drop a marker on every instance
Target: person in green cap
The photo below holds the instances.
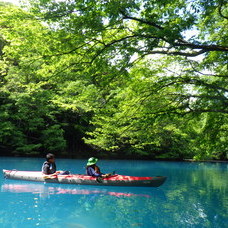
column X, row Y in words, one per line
column 93, row 170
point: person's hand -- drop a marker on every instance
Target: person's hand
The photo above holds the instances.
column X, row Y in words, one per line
column 50, row 176
column 106, row 175
column 57, row 172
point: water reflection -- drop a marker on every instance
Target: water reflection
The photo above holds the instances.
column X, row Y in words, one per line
column 47, row 205
column 45, row 190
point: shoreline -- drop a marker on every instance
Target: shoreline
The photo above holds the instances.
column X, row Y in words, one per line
column 121, row 158
column 212, row 161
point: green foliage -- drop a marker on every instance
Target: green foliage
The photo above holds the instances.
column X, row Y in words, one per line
column 53, row 139
column 28, row 111
column 118, row 74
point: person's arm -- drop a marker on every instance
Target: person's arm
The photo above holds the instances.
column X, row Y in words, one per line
column 45, row 169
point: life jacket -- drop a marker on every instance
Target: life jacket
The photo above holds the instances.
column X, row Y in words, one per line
column 95, row 168
column 51, row 167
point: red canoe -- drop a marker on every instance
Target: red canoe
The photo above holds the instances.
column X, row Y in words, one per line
column 115, row 180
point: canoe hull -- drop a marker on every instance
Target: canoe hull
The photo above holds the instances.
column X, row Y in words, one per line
column 115, row 180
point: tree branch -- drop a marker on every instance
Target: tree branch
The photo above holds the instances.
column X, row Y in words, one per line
column 207, row 110
column 187, row 54
column 181, row 43
column 125, row 16
column 220, row 10
column 110, row 44
column 222, row 98
column 214, row 75
column 203, row 47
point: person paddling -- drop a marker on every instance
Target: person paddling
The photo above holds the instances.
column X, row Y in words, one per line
column 93, row 170
column 49, row 166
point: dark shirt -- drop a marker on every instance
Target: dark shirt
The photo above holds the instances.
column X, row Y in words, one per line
column 90, row 171
column 48, row 168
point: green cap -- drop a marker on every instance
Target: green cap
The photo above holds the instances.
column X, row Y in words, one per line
column 92, row 161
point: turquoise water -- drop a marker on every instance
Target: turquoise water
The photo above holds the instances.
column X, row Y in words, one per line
column 194, row 195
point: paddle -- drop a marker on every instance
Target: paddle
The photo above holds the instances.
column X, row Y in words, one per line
column 50, row 176
column 100, row 179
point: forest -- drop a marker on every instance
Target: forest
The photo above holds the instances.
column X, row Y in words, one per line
column 139, row 79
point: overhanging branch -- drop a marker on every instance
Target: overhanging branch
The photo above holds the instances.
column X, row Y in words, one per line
column 179, row 53
column 179, row 41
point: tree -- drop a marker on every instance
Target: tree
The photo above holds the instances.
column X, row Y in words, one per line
column 27, row 114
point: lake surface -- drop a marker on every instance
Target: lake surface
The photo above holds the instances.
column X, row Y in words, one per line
column 194, row 195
